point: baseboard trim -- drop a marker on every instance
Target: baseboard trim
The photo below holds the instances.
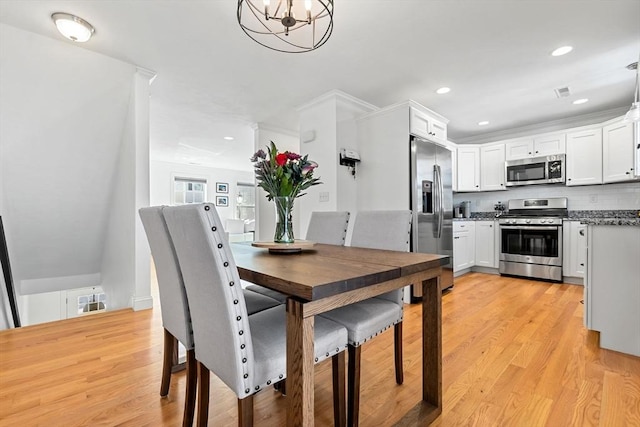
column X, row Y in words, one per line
column 142, row 303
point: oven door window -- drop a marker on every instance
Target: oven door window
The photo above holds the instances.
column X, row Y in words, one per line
column 528, row 172
column 530, row 241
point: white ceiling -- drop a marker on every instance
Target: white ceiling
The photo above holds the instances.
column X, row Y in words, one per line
column 214, row 81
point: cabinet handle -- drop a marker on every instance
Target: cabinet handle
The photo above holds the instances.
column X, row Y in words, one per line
column 581, row 232
column 477, row 186
column 490, row 225
column 529, row 152
column 456, row 237
column 626, row 173
column 582, row 264
column 568, row 179
column 537, row 152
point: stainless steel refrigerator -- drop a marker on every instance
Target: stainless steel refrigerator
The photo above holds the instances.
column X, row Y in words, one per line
column 432, row 204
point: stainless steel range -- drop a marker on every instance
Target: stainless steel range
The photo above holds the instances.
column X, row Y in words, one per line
column 531, row 238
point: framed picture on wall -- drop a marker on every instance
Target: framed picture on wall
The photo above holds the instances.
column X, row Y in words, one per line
column 222, row 201
column 222, row 187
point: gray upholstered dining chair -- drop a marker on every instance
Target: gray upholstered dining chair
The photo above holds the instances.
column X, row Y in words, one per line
column 324, row 227
column 176, row 319
column 366, row 319
column 247, row 352
column 328, row 227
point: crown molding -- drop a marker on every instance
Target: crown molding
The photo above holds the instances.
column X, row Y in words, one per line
column 544, row 127
column 148, row 74
column 274, row 128
column 339, row 95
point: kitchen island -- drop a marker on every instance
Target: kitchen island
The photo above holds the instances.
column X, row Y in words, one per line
column 612, row 282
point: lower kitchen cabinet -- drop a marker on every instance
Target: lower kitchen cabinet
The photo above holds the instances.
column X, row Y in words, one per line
column 612, row 286
column 574, row 251
column 464, row 248
column 485, row 244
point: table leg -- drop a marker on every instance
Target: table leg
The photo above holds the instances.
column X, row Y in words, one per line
column 432, row 343
column 299, row 365
column 430, row 408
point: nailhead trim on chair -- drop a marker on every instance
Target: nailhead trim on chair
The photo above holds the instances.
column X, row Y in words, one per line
column 236, row 300
column 375, row 334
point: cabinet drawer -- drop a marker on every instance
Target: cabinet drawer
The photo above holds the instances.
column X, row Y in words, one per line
column 459, row 226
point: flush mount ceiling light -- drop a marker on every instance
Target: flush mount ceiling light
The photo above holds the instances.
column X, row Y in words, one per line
column 73, row 27
column 228, row 138
column 580, row 101
column 562, row 51
column 483, row 123
column 443, row 90
column 287, row 26
column 633, row 115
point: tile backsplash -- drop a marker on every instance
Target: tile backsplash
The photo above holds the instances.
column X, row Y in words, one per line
column 588, row 197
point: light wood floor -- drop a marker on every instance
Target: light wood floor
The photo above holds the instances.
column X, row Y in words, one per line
column 515, row 354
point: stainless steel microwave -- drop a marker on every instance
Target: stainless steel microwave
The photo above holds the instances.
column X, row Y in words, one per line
column 537, row 170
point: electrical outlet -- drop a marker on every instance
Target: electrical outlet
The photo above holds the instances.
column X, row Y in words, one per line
column 324, row 196
column 593, row 198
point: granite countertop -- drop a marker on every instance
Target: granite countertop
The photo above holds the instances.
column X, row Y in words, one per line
column 601, row 217
column 613, row 217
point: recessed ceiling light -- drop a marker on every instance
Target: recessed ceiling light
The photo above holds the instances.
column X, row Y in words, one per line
column 443, row 90
column 580, row 101
column 228, row 138
column 483, row 123
column 73, row 27
column 562, row 51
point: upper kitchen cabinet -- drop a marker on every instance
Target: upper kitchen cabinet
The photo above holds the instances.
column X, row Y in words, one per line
column 618, row 152
column 492, row 168
column 427, row 125
column 538, row 146
column 584, row 157
column 468, row 160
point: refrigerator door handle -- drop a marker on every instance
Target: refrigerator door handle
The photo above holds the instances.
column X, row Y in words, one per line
column 439, row 206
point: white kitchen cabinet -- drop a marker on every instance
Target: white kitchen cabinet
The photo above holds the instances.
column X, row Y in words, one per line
column 618, row 152
column 468, row 168
column 612, row 286
column 464, row 247
column 537, row 146
column 423, row 125
column 492, row 168
column 584, row 157
column 574, row 250
column 485, row 243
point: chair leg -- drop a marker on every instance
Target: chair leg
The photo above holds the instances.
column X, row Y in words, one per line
column 245, row 412
column 170, row 346
column 397, row 338
column 339, row 415
column 203, row 395
column 353, row 395
column 190, row 393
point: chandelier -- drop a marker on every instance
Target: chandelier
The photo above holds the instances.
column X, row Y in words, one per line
column 285, row 25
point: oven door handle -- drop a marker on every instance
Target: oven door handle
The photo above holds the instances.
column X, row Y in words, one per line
column 530, row 227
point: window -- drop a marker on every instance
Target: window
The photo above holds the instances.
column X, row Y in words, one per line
column 246, row 201
column 189, row 190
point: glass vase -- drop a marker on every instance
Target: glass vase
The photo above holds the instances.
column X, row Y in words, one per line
column 284, row 223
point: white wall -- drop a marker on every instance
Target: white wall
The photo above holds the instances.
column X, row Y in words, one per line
column 64, row 143
column 164, row 173
column 332, row 120
column 383, row 173
column 589, row 197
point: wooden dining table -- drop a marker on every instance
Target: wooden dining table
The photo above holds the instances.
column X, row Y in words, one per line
column 327, row 277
